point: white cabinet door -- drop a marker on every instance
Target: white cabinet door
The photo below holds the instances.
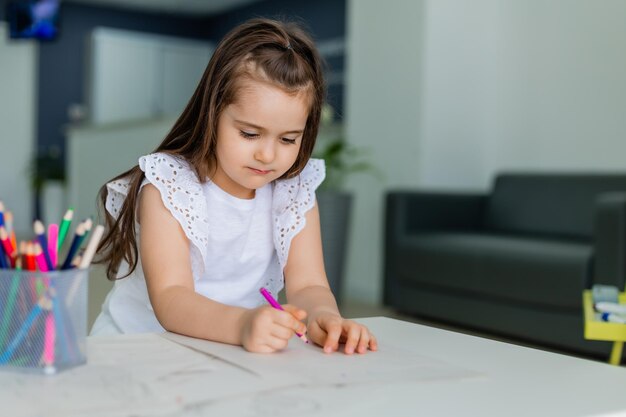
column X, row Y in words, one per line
column 125, row 81
column 183, row 66
column 138, row 76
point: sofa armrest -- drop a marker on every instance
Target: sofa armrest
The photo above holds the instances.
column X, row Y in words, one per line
column 411, row 212
column 408, row 212
column 609, row 234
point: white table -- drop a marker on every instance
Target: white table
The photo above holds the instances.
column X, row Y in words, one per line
column 461, row 375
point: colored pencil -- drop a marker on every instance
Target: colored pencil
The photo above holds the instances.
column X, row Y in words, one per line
column 53, row 238
column 41, row 263
column 8, row 219
column 8, row 308
column 85, row 261
column 78, row 258
column 40, row 231
column 1, row 213
column 49, row 339
column 64, row 227
column 21, row 254
column 3, row 259
column 88, row 225
column 31, row 263
column 42, row 304
column 92, row 246
column 266, row 294
column 7, row 246
column 40, row 258
column 78, row 235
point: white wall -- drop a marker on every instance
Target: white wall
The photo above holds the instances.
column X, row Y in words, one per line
column 382, row 109
column 537, row 85
column 447, row 93
column 18, row 92
column 459, row 61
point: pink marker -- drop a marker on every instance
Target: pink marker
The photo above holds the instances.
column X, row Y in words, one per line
column 265, row 293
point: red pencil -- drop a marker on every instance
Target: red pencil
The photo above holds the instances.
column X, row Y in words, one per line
column 30, row 257
column 8, row 219
column 8, row 246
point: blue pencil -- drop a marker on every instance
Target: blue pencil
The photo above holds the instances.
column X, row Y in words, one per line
column 21, row 333
column 1, row 213
column 78, row 238
column 3, row 260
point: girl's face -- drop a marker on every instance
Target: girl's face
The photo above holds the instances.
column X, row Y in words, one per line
column 258, row 137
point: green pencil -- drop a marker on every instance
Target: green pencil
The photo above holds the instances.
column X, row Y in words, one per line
column 65, row 226
column 8, row 308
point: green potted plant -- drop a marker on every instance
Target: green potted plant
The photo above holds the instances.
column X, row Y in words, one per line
column 335, row 203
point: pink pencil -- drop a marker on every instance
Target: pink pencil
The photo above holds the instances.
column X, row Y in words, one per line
column 53, row 237
column 48, row 342
column 40, row 231
column 265, row 293
column 40, row 258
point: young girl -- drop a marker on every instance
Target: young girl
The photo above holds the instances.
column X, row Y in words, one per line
column 226, row 205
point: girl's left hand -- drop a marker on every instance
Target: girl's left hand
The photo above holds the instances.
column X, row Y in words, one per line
column 329, row 330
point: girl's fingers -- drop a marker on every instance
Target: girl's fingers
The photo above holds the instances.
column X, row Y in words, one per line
column 291, row 317
column 276, row 343
column 353, row 331
column 333, row 333
column 316, row 334
column 298, row 313
column 373, row 343
column 364, row 341
column 282, row 332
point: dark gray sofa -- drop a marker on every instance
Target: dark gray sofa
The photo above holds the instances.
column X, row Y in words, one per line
column 512, row 262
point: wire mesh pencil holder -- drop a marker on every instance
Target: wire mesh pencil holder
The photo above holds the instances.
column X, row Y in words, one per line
column 43, row 321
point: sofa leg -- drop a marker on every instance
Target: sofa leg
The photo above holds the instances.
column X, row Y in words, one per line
column 616, row 353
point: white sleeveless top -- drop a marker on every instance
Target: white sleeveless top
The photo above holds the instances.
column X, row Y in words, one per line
column 237, row 245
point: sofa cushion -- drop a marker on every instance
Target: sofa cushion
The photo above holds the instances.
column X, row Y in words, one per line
column 529, row 270
column 548, row 204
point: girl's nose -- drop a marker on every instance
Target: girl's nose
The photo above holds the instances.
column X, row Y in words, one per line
column 265, row 152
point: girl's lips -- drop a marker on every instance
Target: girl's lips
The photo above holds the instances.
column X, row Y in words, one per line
column 259, row 171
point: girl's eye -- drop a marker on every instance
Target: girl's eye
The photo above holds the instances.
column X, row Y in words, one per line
column 247, row 135
column 290, row 141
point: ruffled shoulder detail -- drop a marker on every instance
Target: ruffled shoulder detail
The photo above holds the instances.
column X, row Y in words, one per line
column 292, row 198
column 116, row 194
column 181, row 193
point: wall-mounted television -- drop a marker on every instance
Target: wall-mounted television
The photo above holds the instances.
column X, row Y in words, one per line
column 37, row 19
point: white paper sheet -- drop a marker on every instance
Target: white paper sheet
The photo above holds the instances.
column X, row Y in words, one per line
column 308, row 364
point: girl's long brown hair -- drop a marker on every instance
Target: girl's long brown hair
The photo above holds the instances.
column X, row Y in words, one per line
column 278, row 52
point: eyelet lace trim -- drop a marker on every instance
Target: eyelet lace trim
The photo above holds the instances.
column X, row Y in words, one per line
column 293, row 197
column 182, row 195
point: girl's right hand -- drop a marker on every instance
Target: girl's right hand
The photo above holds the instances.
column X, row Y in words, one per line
column 266, row 329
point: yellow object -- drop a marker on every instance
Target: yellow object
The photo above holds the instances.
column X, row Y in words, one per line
column 596, row 329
